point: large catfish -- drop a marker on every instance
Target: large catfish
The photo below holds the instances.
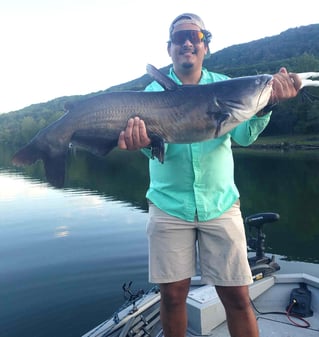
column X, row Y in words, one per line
column 179, row 114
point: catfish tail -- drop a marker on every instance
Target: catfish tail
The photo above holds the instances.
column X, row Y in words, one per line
column 54, row 166
column 28, row 155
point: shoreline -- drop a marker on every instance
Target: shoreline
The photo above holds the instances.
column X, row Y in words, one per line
column 284, row 143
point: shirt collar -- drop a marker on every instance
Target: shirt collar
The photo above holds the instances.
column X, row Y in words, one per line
column 175, row 78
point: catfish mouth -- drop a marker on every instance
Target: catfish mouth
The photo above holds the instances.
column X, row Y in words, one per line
column 254, row 102
column 266, row 95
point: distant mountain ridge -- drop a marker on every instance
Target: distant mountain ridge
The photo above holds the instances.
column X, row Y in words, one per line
column 293, row 42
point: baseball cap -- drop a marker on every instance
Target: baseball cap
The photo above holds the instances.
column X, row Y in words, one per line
column 194, row 19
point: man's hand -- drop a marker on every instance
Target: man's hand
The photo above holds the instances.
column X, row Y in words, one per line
column 134, row 137
column 286, row 85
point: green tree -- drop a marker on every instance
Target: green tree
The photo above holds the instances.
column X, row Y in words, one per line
column 28, row 128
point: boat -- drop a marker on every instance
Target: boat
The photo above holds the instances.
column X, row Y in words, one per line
column 285, row 304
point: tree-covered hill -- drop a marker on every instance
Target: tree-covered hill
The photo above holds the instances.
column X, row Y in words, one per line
column 297, row 49
column 268, row 54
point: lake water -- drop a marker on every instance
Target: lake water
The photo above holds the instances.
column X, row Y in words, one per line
column 65, row 254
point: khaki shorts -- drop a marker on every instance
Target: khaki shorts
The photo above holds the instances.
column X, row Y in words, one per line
column 221, row 253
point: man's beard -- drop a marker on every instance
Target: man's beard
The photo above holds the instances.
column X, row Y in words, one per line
column 187, row 65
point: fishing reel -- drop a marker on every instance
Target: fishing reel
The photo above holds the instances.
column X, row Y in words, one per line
column 261, row 265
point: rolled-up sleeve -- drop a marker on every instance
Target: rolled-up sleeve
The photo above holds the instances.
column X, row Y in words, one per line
column 247, row 132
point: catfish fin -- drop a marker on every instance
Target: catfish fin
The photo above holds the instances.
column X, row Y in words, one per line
column 28, row 155
column 157, row 148
column 54, row 166
column 166, row 82
column 221, row 119
column 96, row 145
column 68, row 106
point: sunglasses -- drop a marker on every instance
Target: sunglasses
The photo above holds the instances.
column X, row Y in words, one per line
column 194, row 36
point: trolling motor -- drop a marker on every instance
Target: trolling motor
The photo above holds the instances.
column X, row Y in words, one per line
column 261, row 265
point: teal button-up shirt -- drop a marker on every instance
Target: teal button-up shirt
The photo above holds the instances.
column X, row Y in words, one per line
column 198, row 178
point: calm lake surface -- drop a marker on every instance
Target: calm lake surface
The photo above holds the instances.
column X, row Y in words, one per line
column 65, row 254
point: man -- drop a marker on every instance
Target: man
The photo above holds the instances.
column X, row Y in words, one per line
column 193, row 198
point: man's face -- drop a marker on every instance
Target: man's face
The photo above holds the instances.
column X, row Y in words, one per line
column 187, row 50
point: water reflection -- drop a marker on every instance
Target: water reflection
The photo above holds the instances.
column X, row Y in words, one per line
column 121, row 175
column 61, row 232
column 286, row 183
column 66, row 253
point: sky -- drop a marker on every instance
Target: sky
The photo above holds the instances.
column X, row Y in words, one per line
column 54, row 48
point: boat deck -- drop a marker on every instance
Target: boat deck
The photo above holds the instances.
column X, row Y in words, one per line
column 270, row 308
column 206, row 316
